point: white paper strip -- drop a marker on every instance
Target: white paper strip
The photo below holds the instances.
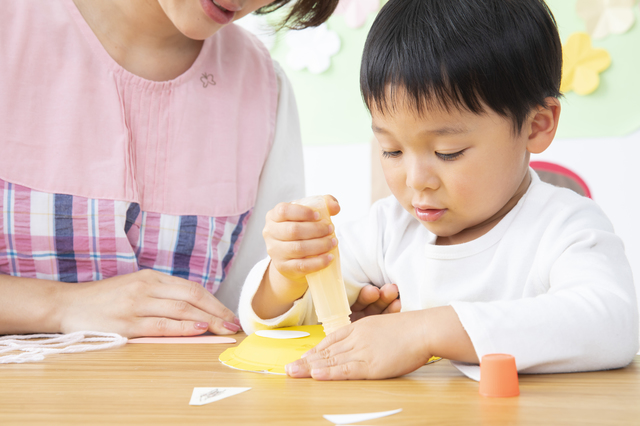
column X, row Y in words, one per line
column 472, row 371
column 345, row 419
column 202, row 396
column 282, row 334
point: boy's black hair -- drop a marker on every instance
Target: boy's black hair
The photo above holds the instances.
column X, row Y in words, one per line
column 505, row 54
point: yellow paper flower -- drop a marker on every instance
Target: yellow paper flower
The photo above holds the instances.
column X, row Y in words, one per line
column 582, row 64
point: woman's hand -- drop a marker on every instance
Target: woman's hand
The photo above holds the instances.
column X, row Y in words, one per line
column 145, row 303
column 373, row 300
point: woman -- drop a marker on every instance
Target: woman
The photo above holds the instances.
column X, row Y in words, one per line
column 142, row 144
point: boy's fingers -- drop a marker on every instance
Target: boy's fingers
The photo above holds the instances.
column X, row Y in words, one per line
column 383, row 308
column 351, row 370
column 299, row 369
column 332, row 205
column 368, row 294
column 300, row 250
column 329, row 346
column 358, row 315
column 373, row 301
column 394, row 307
column 331, row 369
column 296, row 231
column 388, row 293
column 333, row 344
column 337, row 336
column 303, row 266
column 285, row 212
column 374, row 309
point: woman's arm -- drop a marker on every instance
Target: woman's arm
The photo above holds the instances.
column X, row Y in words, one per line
column 145, row 303
column 29, row 305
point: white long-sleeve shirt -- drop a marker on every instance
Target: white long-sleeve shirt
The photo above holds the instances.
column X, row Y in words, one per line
column 550, row 284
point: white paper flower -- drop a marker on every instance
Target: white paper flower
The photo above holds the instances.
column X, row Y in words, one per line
column 604, row 17
column 259, row 26
column 356, row 12
column 312, row 48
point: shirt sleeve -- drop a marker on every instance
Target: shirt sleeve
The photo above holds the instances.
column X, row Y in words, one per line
column 301, row 313
column 282, row 179
column 586, row 320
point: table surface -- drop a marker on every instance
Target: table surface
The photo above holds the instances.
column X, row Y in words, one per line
column 152, row 384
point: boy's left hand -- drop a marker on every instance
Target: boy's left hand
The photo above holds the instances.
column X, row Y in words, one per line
column 376, row 347
column 373, row 301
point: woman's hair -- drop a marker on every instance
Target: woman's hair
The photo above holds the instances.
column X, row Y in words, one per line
column 303, row 13
column 467, row 54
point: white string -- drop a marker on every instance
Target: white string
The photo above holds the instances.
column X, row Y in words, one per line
column 47, row 344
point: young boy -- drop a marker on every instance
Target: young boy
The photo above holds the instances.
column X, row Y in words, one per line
column 486, row 257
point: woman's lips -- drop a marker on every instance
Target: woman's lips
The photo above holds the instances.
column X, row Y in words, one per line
column 429, row 215
column 217, row 14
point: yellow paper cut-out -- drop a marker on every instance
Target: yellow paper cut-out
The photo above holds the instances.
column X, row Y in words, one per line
column 582, row 64
column 604, row 17
column 268, row 355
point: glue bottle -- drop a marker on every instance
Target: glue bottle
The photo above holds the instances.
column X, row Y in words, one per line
column 326, row 286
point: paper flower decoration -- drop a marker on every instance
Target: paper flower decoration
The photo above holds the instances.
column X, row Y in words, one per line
column 312, row 48
column 356, row 11
column 604, row 17
column 258, row 25
column 582, row 64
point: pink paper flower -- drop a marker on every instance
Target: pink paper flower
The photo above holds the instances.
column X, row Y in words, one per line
column 356, row 12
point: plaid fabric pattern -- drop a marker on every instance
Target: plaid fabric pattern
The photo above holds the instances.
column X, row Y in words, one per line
column 75, row 239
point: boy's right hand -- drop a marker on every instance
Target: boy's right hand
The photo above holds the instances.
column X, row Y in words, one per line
column 298, row 241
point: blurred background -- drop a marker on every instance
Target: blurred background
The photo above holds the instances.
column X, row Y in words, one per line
column 597, row 147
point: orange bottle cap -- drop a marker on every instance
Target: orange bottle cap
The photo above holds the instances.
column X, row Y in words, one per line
column 498, row 376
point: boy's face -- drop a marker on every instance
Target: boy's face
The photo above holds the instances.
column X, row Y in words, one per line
column 457, row 172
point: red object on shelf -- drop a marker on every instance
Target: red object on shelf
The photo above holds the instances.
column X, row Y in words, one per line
column 562, row 171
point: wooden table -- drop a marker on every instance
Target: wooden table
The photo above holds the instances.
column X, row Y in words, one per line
column 152, row 384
